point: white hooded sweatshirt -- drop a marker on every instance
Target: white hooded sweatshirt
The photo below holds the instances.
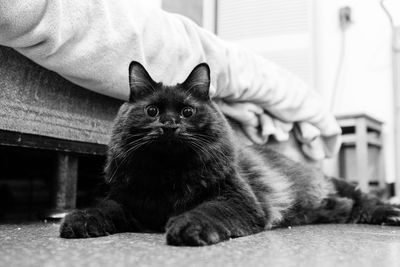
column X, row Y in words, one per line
column 92, row 42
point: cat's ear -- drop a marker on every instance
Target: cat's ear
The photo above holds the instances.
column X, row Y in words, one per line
column 140, row 82
column 198, row 82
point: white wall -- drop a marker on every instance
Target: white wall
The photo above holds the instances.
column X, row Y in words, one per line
column 304, row 36
column 280, row 30
column 366, row 82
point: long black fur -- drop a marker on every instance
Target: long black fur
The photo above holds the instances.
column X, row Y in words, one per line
column 189, row 176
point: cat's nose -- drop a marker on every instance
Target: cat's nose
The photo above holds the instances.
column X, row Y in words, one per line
column 170, row 129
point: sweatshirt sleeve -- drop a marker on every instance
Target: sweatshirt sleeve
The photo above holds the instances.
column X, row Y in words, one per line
column 91, row 43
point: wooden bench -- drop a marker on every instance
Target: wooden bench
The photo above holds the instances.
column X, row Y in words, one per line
column 41, row 110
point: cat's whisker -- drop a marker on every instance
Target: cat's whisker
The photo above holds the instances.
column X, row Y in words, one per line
column 138, row 133
column 111, row 179
column 137, row 146
column 200, row 144
column 196, row 146
column 124, row 155
column 133, row 142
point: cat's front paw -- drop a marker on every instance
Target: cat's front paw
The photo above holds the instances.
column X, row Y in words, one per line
column 190, row 230
column 84, row 224
column 386, row 215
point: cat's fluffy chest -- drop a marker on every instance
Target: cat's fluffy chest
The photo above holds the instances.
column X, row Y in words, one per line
column 152, row 206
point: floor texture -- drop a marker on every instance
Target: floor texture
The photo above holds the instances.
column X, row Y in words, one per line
column 38, row 244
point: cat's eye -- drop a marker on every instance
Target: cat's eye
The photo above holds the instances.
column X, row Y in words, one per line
column 152, row 111
column 187, row 112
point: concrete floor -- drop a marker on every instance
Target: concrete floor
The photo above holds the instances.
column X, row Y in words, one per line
column 38, row 244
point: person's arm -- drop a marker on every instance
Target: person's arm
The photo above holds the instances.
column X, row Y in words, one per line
column 91, row 43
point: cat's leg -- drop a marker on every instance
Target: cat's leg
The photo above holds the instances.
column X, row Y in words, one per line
column 333, row 209
column 227, row 216
column 330, row 209
column 366, row 208
column 107, row 218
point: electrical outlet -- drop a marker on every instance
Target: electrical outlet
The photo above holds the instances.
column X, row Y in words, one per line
column 345, row 17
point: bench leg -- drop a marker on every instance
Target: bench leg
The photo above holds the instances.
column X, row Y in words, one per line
column 65, row 186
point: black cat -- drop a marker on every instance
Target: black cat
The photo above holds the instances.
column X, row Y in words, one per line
column 175, row 165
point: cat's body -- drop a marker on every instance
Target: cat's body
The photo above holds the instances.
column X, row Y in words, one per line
column 175, row 165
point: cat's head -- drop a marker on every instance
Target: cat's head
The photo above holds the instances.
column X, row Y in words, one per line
column 178, row 120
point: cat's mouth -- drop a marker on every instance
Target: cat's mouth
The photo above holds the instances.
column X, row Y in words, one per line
column 174, row 137
column 168, row 135
column 169, row 131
